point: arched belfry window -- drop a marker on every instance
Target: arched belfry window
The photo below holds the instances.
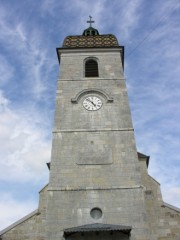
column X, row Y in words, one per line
column 91, row 68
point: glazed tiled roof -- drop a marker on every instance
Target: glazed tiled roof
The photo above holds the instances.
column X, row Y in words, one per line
column 107, row 40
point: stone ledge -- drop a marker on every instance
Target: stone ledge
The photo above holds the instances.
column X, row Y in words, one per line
column 92, row 130
column 88, row 78
column 94, row 188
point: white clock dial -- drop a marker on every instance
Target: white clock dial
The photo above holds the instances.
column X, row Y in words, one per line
column 92, row 103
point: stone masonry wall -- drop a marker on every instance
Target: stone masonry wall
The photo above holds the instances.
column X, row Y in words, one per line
column 164, row 219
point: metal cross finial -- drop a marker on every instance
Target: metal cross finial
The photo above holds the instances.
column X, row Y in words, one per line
column 90, row 21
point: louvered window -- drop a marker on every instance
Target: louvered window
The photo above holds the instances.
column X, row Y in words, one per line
column 91, row 68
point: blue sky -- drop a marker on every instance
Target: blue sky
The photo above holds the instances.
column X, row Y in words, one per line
column 30, row 32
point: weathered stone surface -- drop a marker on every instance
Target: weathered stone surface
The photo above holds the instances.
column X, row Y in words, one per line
column 94, row 162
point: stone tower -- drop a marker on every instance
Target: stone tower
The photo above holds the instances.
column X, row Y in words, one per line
column 95, row 174
column 99, row 186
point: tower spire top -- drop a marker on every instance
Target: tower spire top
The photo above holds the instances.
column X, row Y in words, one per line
column 90, row 31
column 90, row 21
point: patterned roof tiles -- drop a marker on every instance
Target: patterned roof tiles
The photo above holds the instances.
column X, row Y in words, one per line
column 107, row 40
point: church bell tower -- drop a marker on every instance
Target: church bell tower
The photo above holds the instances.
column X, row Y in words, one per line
column 99, row 186
column 95, row 182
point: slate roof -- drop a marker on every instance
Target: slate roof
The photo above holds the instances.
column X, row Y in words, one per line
column 80, row 41
column 97, row 227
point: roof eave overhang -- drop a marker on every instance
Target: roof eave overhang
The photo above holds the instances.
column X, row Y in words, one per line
column 97, row 228
column 143, row 157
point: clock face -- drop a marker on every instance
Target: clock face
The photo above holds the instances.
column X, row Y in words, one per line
column 92, row 103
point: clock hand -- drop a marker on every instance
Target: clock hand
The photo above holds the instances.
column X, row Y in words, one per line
column 91, row 102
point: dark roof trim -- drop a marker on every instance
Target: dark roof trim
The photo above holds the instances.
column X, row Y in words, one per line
column 48, row 165
column 97, row 227
column 122, row 56
column 143, row 156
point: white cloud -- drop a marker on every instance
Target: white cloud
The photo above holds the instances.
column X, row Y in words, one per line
column 130, row 17
column 25, row 146
column 49, row 6
column 78, row 10
column 26, row 47
column 13, row 210
column 171, row 195
column 117, row 16
column 20, row 32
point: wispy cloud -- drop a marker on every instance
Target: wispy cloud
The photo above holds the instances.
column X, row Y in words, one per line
column 25, row 147
column 153, row 82
column 172, row 195
column 32, row 60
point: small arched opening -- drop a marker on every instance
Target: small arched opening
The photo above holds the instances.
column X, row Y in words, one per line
column 91, row 68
